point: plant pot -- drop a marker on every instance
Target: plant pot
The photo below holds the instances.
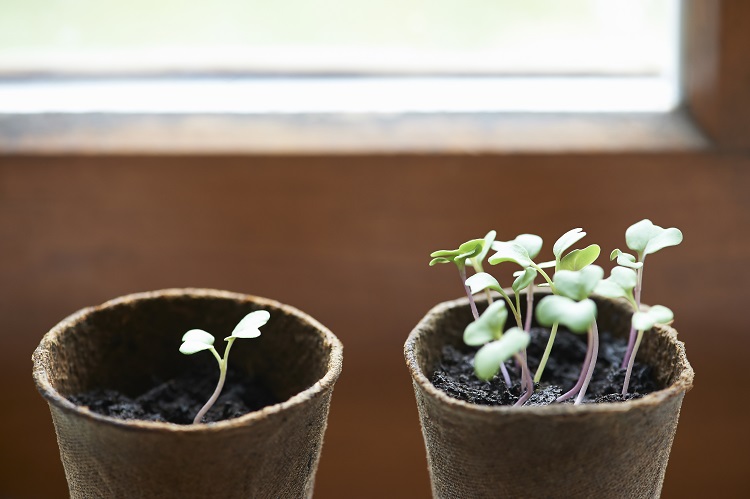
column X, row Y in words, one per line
column 123, row 343
column 589, row 450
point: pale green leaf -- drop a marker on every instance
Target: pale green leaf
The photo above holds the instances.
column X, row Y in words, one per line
column 481, row 281
column 642, row 321
column 576, row 316
column 619, row 284
column 658, row 314
column 645, row 238
column 547, row 265
column 625, row 259
column 531, row 243
column 510, row 252
column 199, row 335
column 661, row 314
column 566, row 241
column 610, row 289
column 524, row 280
column 580, row 258
column 579, row 284
column 249, row 326
column 625, row 277
column 488, row 359
column 489, row 326
column 196, row 340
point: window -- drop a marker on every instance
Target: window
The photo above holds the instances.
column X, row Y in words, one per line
column 334, row 58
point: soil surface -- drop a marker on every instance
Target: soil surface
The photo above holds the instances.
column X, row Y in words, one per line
column 178, row 400
column 455, row 376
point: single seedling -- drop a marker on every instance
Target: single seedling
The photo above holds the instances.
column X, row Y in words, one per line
column 644, row 238
column 572, row 307
column 197, row 340
column 474, row 251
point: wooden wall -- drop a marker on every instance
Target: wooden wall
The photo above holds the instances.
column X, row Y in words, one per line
column 347, row 239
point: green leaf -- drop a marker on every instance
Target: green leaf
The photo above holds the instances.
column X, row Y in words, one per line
column 580, row 258
column 524, row 280
column 625, row 259
column 481, row 281
column 645, row 238
column 579, row 284
column 657, row 314
column 196, row 340
column 619, row 284
column 625, row 277
column 249, row 326
column 547, row 265
column 489, row 326
column 576, row 316
column 566, row 241
column 610, row 289
column 510, row 252
column 486, row 245
column 458, row 256
column 488, row 359
column 441, row 259
column 530, row 242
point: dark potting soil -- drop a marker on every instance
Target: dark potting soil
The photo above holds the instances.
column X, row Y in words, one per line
column 455, row 375
column 178, row 400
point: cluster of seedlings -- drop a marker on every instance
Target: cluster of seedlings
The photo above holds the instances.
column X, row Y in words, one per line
column 574, row 279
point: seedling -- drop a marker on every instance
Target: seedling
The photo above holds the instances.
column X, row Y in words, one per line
column 197, row 340
column 573, row 308
column 575, row 260
column 474, row 250
column 644, row 238
column 498, row 346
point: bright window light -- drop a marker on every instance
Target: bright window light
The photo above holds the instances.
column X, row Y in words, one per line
column 311, row 56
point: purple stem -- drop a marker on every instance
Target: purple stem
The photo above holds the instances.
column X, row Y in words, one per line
column 526, row 379
column 581, row 377
column 630, row 364
column 475, row 313
column 631, row 339
column 529, row 306
column 594, row 339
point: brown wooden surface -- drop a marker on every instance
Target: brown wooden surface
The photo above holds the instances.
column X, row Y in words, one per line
column 347, row 240
column 717, row 73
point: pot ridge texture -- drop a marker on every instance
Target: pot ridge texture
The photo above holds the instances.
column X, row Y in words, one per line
column 613, row 450
column 273, row 452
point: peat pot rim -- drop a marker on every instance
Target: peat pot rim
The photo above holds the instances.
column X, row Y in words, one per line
column 682, row 384
column 41, row 360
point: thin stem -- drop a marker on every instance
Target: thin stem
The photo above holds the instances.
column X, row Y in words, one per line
column 631, row 338
column 220, row 384
column 462, row 273
column 547, row 351
column 594, row 339
column 544, row 274
column 475, row 313
column 512, row 307
column 581, row 377
column 526, row 379
column 517, row 296
column 529, row 306
column 631, row 362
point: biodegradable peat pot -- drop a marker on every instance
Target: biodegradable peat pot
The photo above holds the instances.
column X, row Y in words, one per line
column 121, row 344
column 591, row 450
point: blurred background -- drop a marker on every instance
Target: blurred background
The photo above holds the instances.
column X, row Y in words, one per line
column 335, row 209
